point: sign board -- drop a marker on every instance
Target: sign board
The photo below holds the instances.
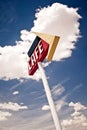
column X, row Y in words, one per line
column 37, row 53
column 43, row 46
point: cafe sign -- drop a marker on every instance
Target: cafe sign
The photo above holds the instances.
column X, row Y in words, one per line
column 43, row 46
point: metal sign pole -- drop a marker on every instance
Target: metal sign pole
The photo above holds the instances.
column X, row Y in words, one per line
column 49, row 97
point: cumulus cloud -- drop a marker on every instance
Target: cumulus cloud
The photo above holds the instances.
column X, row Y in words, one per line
column 14, row 60
column 77, row 106
column 5, row 107
column 77, row 119
column 57, row 19
column 4, row 115
column 45, row 107
column 12, row 106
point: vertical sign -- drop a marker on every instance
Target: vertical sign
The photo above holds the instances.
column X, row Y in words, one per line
column 37, row 53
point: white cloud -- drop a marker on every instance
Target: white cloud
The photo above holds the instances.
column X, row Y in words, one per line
column 15, row 92
column 45, row 107
column 12, row 106
column 77, row 118
column 56, row 19
column 80, row 121
column 4, row 115
column 27, row 36
column 14, row 61
column 77, row 106
column 59, row 19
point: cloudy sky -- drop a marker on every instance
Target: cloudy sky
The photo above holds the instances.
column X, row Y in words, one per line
column 23, row 103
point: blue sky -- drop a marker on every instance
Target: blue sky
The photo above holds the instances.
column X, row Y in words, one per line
column 23, row 103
